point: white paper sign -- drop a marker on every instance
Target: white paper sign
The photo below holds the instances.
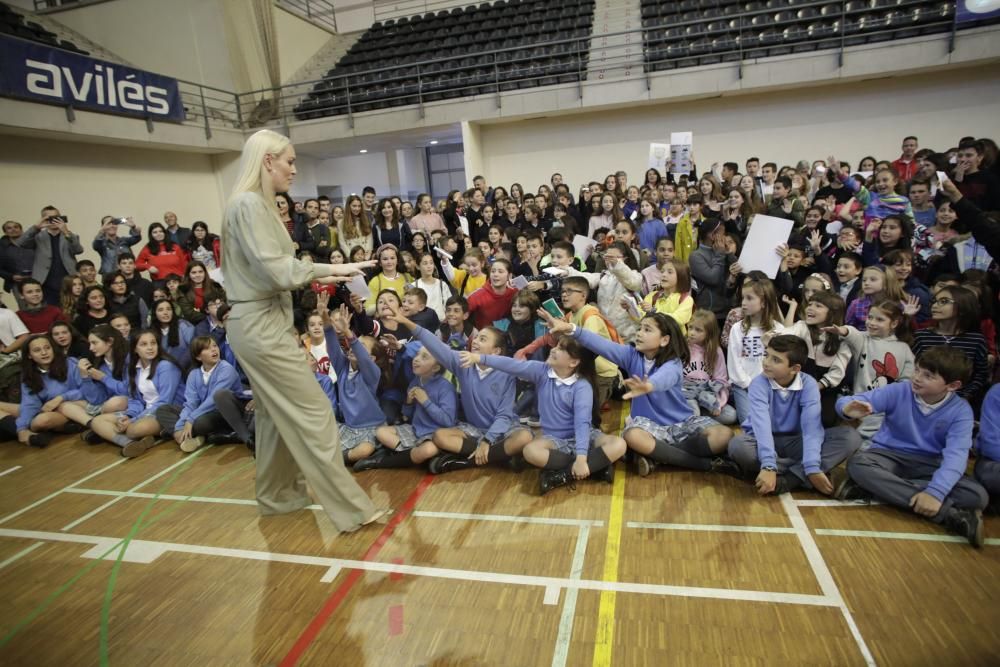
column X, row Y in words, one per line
column 659, row 154
column 357, row 285
column 583, row 246
column 766, row 234
column 681, row 148
column 519, row 283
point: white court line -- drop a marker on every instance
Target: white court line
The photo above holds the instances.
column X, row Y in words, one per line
column 147, row 546
column 837, row 503
column 56, row 493
column 23, row 552
column 919, row 537
column 508, row 519
column 9, row 470
column 822, row 573
column 167, row 496
column 569, row 605
column 89, row 515
column 712, row 528
column 551, row 596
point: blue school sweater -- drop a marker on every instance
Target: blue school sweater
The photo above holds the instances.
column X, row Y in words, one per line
column 771, row 413
column 182, row 351
column 169, row 387
column 329, row 388
column 565, row 409
column 356, row 391
column 96, row 392
column 666, row 405
column 31, row 403
column 945, row 434
column 989, row 426
column 488, row 401
column 199, row 396
column 440, row 410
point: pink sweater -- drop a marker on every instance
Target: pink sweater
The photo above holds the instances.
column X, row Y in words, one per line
column 697, row 370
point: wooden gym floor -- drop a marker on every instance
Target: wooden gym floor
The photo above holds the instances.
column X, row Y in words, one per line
column 163, row 560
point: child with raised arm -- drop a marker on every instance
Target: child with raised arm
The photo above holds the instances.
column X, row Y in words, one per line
column 570, row 447
column 661, row 427
column 918, row 457
column 487, row 402
column 783, row 443
column 431, row 404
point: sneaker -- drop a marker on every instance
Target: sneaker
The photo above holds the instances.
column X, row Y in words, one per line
column 72, row 428
column 786, row 482
column 371, row 462
column 192, row 444
column 968, row 524
column 725, row 466
column 849, row 490
column 222, row 438
column 644, row 465
column 551, row 479
column 533, row 422
column 40, row 440
column 138, row 447
column 604, row 475
column 91, row 438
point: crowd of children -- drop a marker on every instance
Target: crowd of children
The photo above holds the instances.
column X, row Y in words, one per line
column 497, row 329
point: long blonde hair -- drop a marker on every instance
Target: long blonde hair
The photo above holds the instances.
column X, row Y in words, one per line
column 252, row 175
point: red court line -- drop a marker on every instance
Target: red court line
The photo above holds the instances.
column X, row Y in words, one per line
column 395, row 620
column 312, row 630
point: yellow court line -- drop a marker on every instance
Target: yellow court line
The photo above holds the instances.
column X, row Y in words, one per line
column 612, row 551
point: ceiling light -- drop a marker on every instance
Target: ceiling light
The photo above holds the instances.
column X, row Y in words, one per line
column 434, row 142
column 363, row 150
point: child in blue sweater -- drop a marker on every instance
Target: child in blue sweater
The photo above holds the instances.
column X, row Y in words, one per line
column 357, row 386
column 570, row 447
column 175, row 333
column 987, row 469
column 783, row 442
column 661, row 427
column 431, row 404
column 198, row 418
column 918, row 457
column 105, row 388
column 47, row 380
column 154, row 381
column 487, row 402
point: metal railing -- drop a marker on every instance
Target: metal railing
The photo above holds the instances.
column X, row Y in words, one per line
column 394, row 9
column 680, row 40
column 318, row 12
column 49, row 6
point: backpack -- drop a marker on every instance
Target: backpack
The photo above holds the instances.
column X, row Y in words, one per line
column 612, row 331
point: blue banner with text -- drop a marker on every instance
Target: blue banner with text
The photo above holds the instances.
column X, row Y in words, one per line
column 36, row 72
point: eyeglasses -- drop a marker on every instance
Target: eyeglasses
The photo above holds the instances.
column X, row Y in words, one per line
column 944, row 301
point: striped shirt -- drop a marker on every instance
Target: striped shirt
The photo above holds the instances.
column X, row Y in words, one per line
column 972, row 344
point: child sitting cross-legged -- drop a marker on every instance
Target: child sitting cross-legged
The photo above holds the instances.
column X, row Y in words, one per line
column 783, row 440
column 918, row 457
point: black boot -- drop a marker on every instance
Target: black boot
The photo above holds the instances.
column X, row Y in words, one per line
column 551, row 479
column 849, row 490
column 644, row 465
column 606, row 474
column 8, row 429
column 785, row 483
column 371, row 462
column 967, row 524
column 222, row 438
column 71, row 428
column 40, row 440
column 450, row 463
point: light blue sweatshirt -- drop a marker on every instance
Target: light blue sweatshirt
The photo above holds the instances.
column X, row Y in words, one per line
column 771, row 413
column 356, row 391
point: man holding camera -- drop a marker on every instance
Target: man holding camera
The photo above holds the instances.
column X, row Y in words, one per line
column 55, row 251
column 15, row 261
column 109, row 244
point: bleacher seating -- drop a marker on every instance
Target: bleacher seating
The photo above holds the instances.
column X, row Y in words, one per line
column 702, row 32
column 457, row 53
column 14, row 24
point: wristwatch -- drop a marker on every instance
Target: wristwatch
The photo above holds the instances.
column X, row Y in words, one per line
column 769, row 468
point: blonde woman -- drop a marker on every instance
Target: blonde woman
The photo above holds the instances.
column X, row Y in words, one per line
column 295, row 439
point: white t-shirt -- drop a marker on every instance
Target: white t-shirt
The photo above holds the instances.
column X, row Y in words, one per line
column 11, row 326
column 437, row 295
column 323, row 364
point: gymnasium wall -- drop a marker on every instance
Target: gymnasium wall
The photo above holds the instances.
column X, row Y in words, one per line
column 851, row 121
column 88, row 181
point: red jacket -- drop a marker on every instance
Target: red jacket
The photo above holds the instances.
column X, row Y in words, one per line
column 174, row 261
column 39, row 321
column 906, row 170
column 486, row 306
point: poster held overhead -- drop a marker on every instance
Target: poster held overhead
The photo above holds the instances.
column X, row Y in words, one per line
column 681, row 150
column 766, row 234
column 659, row 155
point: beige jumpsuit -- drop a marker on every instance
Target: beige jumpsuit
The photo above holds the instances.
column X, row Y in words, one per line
column 296, row 431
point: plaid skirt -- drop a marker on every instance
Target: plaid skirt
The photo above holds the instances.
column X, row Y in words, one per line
column 671, row 433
